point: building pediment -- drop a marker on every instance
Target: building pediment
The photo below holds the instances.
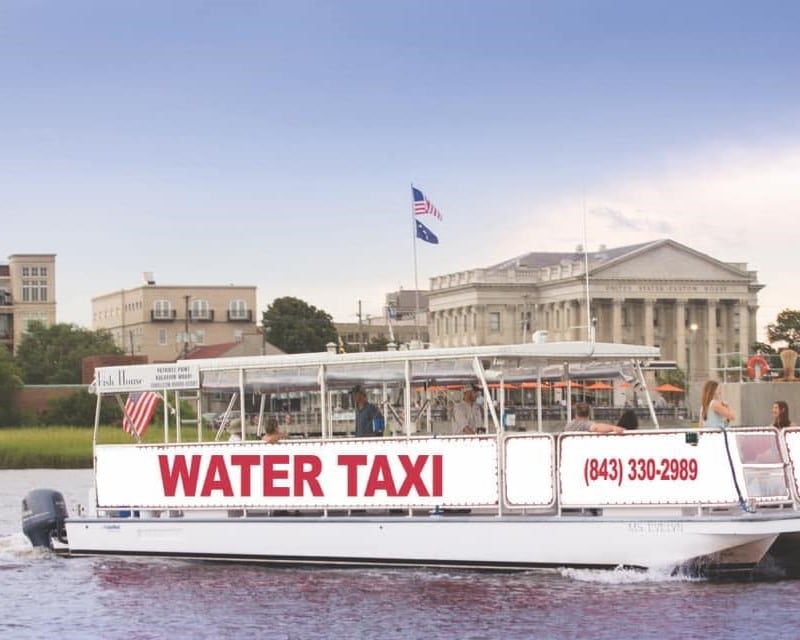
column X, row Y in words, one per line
column 668, row 260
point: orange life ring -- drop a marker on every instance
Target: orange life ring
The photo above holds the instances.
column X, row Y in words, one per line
column 759, row 362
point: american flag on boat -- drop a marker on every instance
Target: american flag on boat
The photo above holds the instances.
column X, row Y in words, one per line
column 140, row 407
column 422, row 205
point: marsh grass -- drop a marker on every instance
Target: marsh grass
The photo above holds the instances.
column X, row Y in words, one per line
column 63, row 447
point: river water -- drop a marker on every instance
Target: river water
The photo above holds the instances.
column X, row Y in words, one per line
column 45, row 596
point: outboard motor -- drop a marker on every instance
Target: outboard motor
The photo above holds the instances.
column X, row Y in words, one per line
column 43, row 515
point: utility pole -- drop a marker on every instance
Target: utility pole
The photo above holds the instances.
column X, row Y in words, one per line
column 360, row 330
column 185, row 325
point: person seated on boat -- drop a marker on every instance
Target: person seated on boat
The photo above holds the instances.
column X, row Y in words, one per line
column 467, row 414
column 628, row 420
column 369, row 419
column 273, row 431
column 714, row 411
column 235, row 430
column 583, row 422
column 780, row 415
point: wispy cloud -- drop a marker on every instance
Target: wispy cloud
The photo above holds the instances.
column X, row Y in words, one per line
column 617, row 220
column 737, row 205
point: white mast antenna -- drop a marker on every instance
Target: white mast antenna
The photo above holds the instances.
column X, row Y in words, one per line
column 589, row 325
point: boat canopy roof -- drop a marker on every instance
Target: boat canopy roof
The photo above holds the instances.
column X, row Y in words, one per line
column 506, row 363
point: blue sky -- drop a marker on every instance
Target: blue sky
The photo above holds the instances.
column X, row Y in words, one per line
column 274, row 144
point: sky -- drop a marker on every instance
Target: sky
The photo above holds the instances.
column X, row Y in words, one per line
column 273, row 144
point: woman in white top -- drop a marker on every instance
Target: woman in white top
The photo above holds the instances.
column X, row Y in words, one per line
column 715, row 412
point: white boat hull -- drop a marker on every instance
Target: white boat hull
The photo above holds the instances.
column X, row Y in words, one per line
column 455, row 541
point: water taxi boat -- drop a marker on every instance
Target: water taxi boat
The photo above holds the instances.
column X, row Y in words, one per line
column 716, row 502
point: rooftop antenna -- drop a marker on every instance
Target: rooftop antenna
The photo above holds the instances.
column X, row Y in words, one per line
column 589, row 324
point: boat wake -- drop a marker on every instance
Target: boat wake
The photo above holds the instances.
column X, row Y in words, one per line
column 622, row 575
column 16, row 546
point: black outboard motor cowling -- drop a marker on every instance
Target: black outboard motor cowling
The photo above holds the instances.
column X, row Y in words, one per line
column 43, row 515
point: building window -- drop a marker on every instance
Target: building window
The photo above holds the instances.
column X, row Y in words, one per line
column 494, row 321
column 162, row 309
column 237, row 310
column 162, row 337
column 34, row 290
column 656, row 319
column 28, row 318
column 200, row 310
column 455, row 324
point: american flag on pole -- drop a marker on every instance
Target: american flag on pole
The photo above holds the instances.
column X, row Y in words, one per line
column 422, row 205
column 140, row 408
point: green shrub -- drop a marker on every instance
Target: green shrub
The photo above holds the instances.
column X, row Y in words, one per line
column 78, row 409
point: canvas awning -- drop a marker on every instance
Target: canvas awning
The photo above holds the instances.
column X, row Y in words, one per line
column 668, row 388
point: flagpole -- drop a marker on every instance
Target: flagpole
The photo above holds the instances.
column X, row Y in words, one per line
column 416, row 284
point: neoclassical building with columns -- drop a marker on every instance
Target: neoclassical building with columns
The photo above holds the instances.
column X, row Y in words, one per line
column 699, row 310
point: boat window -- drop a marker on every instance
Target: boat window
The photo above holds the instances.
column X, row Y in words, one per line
column 758, row 448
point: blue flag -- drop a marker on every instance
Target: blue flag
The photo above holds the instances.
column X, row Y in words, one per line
column 423, row 233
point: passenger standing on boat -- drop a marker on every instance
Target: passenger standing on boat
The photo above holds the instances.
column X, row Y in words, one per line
column 582, row 422
column 714, row 411
column 628, row 420
column 369, row 419
column 467, row 414
column 235, row 430
column 273, row 432
column 780, row 415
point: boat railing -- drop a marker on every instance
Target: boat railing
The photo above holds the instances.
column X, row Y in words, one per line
column 660, row 473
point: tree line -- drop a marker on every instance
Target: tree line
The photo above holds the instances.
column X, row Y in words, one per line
column 49, row 355
column 52, row 355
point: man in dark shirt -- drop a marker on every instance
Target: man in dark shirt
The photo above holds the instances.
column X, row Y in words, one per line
column 369, row 420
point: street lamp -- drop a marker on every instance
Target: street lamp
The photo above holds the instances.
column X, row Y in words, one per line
column 692, row 332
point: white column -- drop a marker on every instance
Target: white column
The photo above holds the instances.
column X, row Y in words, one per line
column 744, row 329
column 480, row 328
column 581, row 334
column 616, row 320
column 680, row 333
column 711, row 339
column 649, row 337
